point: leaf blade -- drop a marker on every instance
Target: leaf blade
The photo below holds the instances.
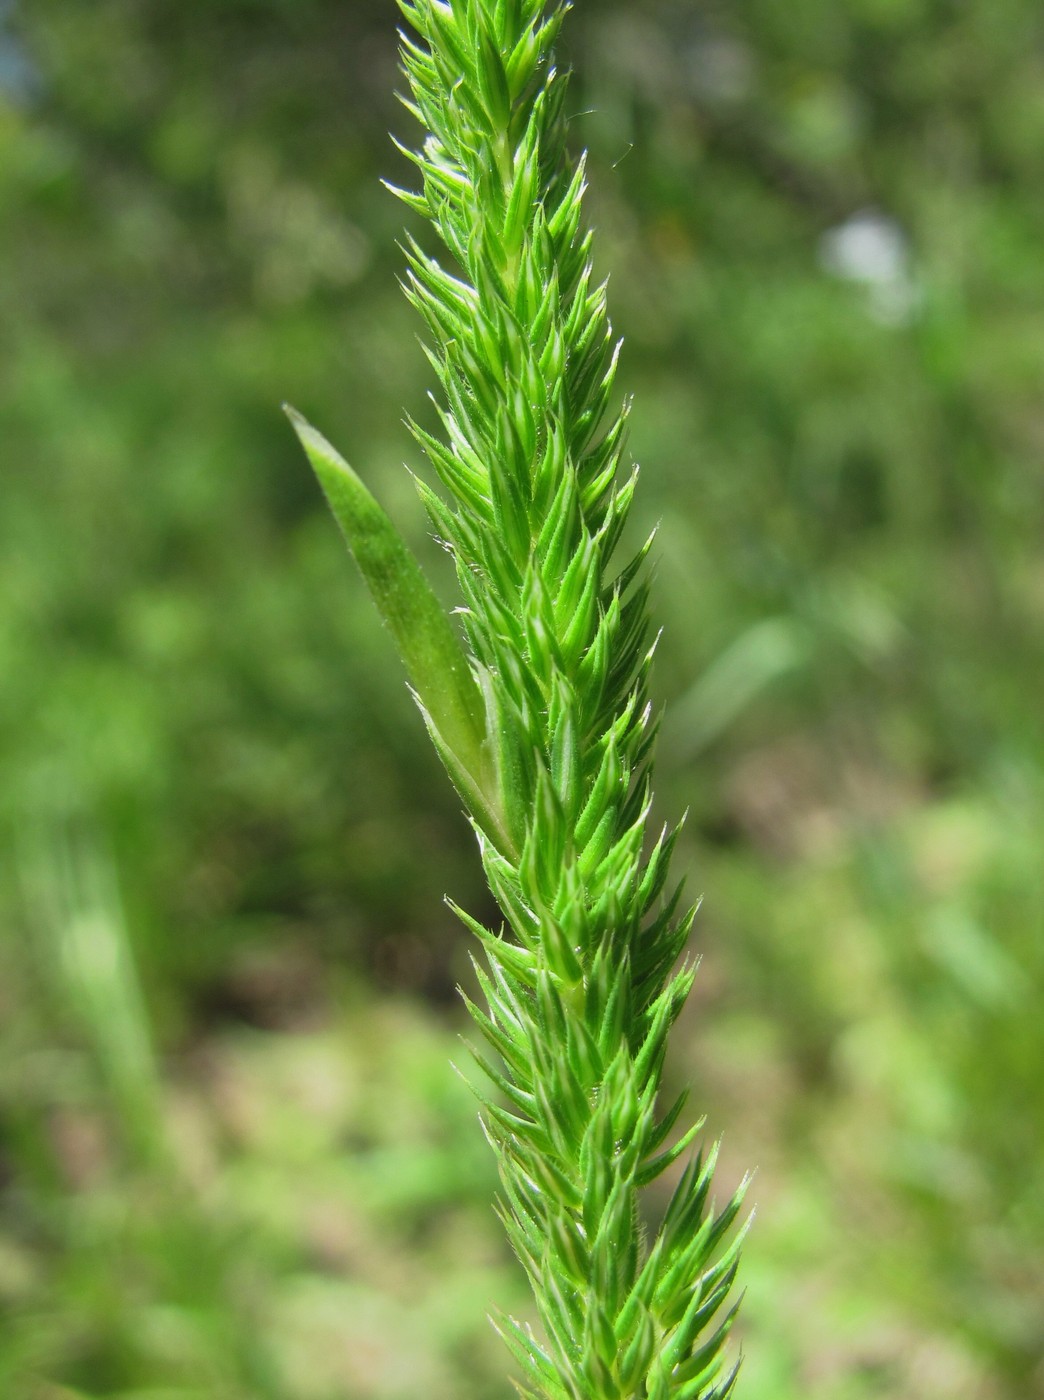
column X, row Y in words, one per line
column 435, row 662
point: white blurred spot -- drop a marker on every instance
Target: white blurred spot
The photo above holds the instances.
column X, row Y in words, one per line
column 870, row 248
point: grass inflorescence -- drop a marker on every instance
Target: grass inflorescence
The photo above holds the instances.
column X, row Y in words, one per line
column 543, row 720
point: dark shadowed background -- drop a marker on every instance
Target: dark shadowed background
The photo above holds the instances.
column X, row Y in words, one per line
column 234, row 1161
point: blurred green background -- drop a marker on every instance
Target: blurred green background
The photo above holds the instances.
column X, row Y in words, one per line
column 234, row 1160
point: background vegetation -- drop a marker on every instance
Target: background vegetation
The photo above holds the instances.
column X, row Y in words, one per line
column 233, row 1161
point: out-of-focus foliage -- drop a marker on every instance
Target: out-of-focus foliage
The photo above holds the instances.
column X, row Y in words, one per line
column 824, row 223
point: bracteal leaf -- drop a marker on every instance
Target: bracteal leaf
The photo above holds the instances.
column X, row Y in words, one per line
column 449, row 696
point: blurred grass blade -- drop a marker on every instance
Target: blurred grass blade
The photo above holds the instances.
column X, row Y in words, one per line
column 72, row 889
column 435, row 662
column 755, row 661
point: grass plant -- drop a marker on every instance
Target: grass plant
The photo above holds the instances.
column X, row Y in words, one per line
column 543, row 720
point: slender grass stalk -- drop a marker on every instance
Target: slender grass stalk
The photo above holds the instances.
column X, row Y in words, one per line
column 83, row 944
column 544, row 723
